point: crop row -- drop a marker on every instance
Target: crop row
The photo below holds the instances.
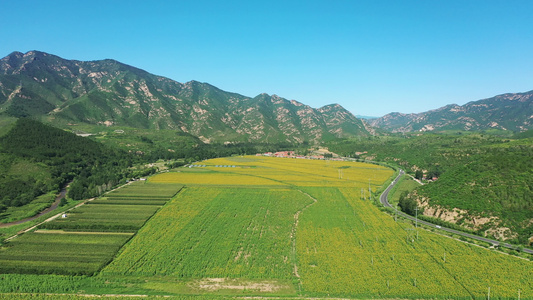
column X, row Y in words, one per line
column 145, row 189
column 75, row 254
column 104, row 217
column 18, row 296
column 114, row 201
column 84, row 239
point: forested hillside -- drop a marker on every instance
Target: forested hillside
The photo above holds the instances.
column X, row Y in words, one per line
column 38, row 158
column 483, row 182
column 493, row 181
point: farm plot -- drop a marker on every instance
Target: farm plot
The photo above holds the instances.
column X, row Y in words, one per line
column 303, row 172
column 104, row 217
column 145, row 190
column 359, row 252
column 88, row 237
column 66, row 253
column 125, row 209
column 217, row 177
column 216, row 232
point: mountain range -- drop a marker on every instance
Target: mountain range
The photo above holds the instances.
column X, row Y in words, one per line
column 69, row 93
column 512, row 112
column 109, row 93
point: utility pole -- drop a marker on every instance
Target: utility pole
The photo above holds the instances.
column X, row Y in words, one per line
column 416, row 221
column 369, row 190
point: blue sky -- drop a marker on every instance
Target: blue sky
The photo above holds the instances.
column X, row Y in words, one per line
column 372, row 57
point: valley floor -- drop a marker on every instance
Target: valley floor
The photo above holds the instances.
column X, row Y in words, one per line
column 259, row 227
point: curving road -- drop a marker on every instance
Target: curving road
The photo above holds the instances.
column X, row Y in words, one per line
column 54, row 205
column 384, row 200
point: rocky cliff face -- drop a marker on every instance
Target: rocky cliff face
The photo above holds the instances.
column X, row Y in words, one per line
column 110, row 93
column 505, row 112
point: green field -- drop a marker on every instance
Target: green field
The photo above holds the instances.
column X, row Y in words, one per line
column 85, row 238
column 270, row 227
column 405, row 185
column 390, row 261
column 104, row 217
column 222, row 232
column 60, row 253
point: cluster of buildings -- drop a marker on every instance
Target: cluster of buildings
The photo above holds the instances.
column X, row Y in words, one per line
column 216, row 166
column 291, row 154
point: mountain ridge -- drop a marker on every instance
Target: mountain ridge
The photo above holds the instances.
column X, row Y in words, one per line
column 107, row 92
column 509, row 111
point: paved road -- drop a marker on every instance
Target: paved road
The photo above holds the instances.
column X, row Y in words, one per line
column 384, row 200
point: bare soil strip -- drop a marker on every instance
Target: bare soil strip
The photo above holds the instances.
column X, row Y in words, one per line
column 215, row 284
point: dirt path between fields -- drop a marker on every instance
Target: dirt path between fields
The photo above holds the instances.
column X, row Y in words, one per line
column 293, row 234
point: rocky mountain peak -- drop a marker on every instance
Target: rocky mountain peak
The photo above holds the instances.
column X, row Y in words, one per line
column 115, row 94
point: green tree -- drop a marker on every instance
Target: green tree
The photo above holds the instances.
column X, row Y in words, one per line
column 407, row 204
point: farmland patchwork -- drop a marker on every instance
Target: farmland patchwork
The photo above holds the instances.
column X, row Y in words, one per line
column 86, row 238
column 259, row 226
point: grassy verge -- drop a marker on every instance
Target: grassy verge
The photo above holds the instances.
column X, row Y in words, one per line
column 29, row 210
column 406, row 183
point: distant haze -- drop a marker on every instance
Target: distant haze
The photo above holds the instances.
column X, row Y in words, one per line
column 365, row 117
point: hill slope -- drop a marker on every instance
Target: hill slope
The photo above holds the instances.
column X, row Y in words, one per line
column 485, row 183
column 505, row 112
column 38, row 159
column 107, row 92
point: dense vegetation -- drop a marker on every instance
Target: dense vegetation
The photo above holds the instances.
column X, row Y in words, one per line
column 164, row 144
column 483, row 174
column 92, row 167
column 21, row 181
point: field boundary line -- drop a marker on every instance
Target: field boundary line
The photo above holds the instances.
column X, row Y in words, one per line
column 293, row 237
column 55, row 231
